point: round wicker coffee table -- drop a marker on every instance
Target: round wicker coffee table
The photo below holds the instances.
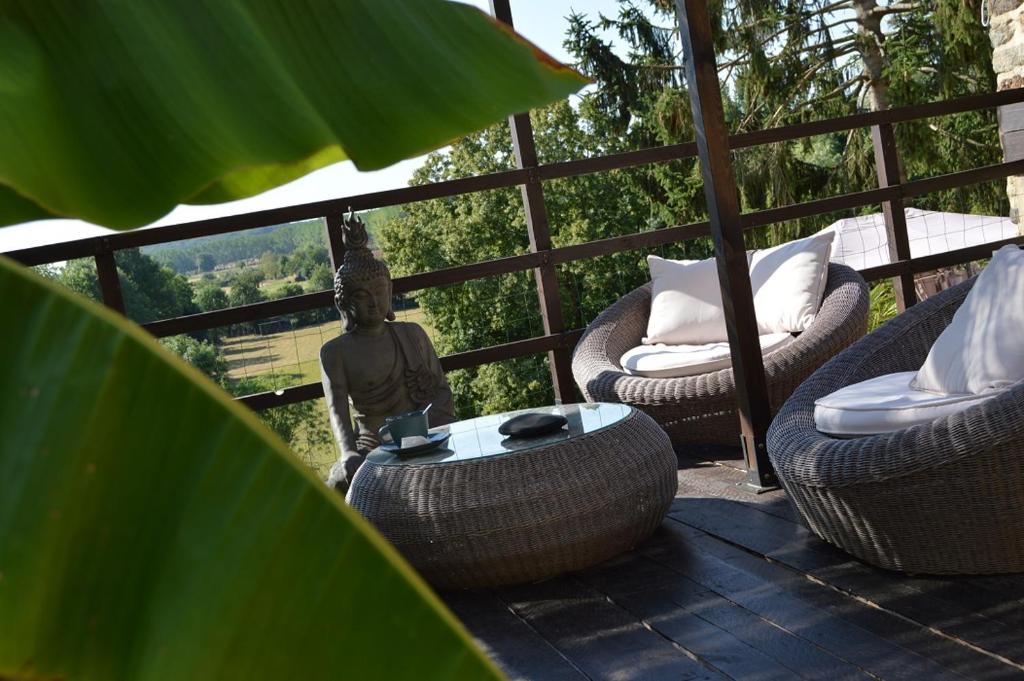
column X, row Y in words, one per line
column 487, row 510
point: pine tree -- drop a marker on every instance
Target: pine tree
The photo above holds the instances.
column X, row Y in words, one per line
column 787, row 61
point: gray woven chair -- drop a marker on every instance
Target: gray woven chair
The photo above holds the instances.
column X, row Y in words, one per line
column 945, row 497
column 702, row 409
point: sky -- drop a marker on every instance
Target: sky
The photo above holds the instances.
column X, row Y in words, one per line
column 542, row 21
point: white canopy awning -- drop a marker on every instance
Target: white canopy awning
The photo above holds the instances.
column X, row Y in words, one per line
column 861, row 242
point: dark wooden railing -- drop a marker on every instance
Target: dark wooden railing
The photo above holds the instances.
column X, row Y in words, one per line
column 543, row 257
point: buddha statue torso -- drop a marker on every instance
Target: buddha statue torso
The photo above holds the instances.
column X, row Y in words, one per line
column 377, row 368
column 383, row 375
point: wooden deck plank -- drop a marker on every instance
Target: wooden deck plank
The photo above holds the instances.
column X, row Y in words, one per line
column 520, row 651
column 958, row 610
column 734, row 586
column 600, row 638
column 730, row 651
column 1009, row 587
column 766, row 534
column 946, row 604
column 999, row 597
column 713, row 477
column 690, row 553
column 718, row 480
column 676, row 607
column 909, row 636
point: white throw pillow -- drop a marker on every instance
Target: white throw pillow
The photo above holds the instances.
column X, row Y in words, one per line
column 686, row 302
column 982, row 349
column 673, row 361
column 788, row 283
column 884, row 404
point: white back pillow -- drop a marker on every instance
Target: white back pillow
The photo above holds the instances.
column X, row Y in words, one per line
column 982, row 349
column 789, row 282
column 686, row 303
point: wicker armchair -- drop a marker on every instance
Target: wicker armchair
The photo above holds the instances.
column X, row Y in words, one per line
column 944, row 497
column 702, row 409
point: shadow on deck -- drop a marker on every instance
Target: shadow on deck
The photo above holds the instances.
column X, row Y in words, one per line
column 732, row 586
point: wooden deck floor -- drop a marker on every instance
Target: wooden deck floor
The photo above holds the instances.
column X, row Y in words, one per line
column 732, row 586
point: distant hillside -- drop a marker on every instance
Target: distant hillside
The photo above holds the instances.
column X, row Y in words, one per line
column 183, row 256
column 377, row 217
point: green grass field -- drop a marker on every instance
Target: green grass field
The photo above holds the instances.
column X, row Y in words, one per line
column 269, row 287
column 288, row 358
column 291, row 358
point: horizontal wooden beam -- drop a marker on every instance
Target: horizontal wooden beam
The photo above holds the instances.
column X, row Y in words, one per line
column 806, row 209
column 618, row 161
column 927, row 263
column 541, row 344
column 435, row 278
column 630, row 242
column 461, row 360
column 285, row 396
column 239, row 315
column 919, row 187
column 592, row 249
column 461, row 273
column 82, row 248
column 962, row 178
column 511, row 350
column 902, row 114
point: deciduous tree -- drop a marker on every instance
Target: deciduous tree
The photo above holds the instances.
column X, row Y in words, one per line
column 211, row 297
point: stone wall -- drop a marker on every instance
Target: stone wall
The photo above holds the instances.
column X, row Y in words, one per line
column 1006, row 31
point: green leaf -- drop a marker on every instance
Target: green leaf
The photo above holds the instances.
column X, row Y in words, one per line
column 247, row 181
column 16, row 209
column 115, row 112
column 151, row 528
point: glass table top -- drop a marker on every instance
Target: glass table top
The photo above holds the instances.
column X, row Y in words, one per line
column 478, row 438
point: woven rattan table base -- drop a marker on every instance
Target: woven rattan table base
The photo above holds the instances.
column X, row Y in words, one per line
column 526, row 515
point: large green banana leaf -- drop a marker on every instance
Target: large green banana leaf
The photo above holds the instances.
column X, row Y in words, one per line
column 151, row 528
column 116, row 111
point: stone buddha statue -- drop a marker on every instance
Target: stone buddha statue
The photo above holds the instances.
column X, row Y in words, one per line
column 378, row 367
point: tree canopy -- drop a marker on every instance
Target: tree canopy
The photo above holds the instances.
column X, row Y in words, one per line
column 150, row 291
column 781, row 62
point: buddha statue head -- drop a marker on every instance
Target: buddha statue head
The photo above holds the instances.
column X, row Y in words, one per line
column 362, row 285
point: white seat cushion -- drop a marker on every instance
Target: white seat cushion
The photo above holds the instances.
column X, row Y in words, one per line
column 885, row 404
column 982, row 350
column 674, row 361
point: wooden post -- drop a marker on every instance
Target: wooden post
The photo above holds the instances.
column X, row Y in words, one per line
column 546, row 275
column 332, row 224
column 890, row 174
column 106, row 273
column 730, row 251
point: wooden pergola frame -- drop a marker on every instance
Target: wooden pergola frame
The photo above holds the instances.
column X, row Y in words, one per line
column 712, row 146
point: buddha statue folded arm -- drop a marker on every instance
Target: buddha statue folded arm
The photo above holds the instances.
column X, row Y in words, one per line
column 332, row 375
